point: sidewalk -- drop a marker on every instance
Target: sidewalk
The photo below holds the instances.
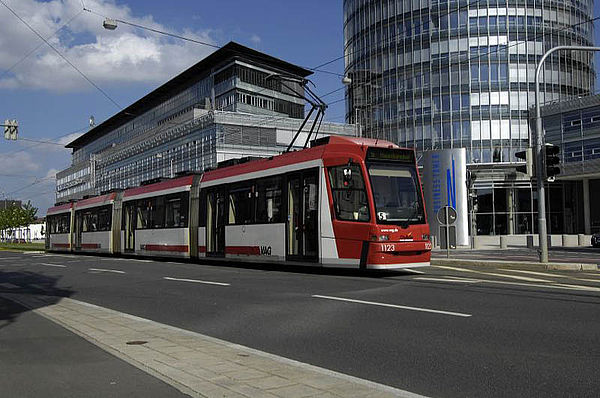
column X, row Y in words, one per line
column 39, row 358
column 571, row 259
column 199, row 365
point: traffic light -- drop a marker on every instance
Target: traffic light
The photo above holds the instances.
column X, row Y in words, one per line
column 528, row 167
column 11, row 129
column 551, row 160
column 474, row 201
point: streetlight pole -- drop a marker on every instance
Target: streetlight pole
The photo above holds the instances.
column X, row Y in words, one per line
column 542, row 231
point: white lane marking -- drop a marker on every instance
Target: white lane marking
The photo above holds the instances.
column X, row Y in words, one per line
column 426, row 278
column 115, row 271
column 195, row 281
column 402, row 307
column 521, row 278
column 587, row 280
column 456, row 268
column 413, row 271
column 53, row 265
column 550, row 286
column 536, row 273
column 579, row 287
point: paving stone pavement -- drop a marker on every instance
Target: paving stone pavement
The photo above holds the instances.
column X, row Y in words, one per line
column 199, row 365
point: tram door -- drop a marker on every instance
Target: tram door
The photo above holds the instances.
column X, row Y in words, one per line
column 302, row 220
column 129, row 226
column 78, row 230
column 215, row 223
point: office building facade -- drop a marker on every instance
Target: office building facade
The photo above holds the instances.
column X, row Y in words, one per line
column 236, row 102
column 437, row 74
column 575, row 127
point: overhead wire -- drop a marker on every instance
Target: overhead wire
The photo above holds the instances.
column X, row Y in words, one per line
column 62, row 56
column 174, row 35
column 420, row 25
column 38, row 143
column 39, row 45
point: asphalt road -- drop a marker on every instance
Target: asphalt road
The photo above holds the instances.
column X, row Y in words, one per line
column 447, row 332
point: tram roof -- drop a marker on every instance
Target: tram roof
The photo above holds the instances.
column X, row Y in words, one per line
column 331, row 144
column 60, row 208
column 160, row 186
column 96, row 200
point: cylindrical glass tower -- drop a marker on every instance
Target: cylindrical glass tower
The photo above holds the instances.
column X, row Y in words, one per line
column 435, row 74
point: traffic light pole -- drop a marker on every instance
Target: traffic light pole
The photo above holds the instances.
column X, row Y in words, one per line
column 539, row 150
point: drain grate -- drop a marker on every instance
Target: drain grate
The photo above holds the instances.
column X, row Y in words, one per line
column 136, row 342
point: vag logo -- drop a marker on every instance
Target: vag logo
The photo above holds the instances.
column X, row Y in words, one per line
column 265, row 250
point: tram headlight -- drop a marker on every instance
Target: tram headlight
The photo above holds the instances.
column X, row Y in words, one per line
column 380, row 237
column 426, row 237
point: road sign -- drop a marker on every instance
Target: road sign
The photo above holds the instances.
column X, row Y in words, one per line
column 446, row 215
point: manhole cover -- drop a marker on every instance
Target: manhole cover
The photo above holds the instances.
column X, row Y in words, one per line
column 136, row 342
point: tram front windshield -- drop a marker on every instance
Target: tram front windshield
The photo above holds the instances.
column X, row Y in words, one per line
column 397, row 194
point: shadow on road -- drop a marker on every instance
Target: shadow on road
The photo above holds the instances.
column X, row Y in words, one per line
column 17, row 287
column 304, row 269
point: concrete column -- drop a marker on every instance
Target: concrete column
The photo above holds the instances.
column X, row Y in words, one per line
column 587, row 226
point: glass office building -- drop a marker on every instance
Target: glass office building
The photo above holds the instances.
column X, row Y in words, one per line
column 229, row 105
column 435, row 74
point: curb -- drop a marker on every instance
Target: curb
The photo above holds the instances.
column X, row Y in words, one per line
column 501, row 263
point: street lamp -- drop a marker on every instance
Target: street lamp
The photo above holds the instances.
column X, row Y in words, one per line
column 109, row 24
column 543, row 232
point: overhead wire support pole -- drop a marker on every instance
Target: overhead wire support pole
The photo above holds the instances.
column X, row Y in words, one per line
column 539, row 145
column 310, row 97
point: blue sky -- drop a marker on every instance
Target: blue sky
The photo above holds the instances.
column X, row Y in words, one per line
column 52, row 101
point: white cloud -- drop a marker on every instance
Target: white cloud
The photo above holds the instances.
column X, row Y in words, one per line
column 51, row 175
column 125, row 55
column 255, row 39
column 20, row 162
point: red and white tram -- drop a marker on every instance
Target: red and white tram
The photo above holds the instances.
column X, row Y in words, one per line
column 344, row 202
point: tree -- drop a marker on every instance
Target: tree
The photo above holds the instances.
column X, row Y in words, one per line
column 16, row 217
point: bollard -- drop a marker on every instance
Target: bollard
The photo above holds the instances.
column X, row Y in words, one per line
column 503, row 242
column 530, row 242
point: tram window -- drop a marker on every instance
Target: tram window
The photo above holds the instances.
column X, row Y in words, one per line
column 157, row 214
column 104, row 218
column 144, row 210
column 349, row 194
column 60, row 224
column 170, row 211
column 240, row 205
column 268, row 202
column 176, row 211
